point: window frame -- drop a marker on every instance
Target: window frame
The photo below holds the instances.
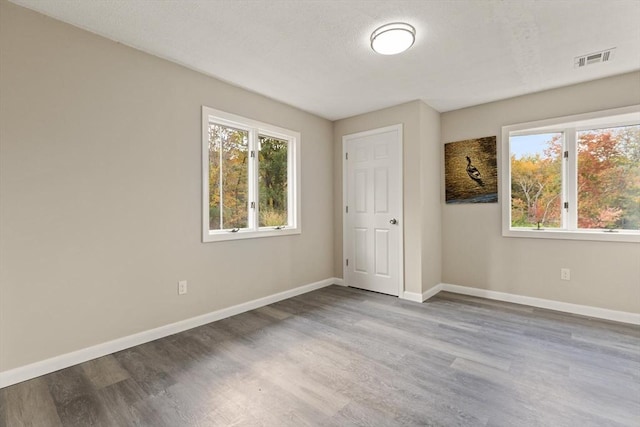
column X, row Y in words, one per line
column 569, row 126
column 255, row 129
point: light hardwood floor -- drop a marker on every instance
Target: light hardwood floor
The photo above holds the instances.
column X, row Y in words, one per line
column 340, row 356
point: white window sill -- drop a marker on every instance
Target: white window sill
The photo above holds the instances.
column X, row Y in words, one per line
column 218, row 236
column 595, row 235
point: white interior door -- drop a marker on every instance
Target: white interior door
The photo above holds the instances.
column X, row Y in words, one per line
column 372, row 233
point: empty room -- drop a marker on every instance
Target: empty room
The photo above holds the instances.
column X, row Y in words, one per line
column 319, row 213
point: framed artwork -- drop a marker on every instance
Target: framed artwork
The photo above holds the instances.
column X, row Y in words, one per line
column 471, row 171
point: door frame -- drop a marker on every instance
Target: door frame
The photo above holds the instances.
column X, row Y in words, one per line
column 345, row 140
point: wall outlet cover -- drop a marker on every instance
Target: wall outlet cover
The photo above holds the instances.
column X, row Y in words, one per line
column 182, row 287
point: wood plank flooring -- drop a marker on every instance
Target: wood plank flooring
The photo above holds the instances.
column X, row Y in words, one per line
column 340, row 356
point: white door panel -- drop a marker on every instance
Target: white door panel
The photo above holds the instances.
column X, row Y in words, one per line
column 382, row 252
column 373, row 210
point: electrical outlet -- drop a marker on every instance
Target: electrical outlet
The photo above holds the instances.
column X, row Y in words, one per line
column 565, row 274
column 182, row 287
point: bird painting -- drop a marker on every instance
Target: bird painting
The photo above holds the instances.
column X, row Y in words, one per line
column 470, row 171
column 474, row 173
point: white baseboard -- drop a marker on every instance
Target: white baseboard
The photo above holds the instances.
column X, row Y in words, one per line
column 338, row 281
column 416, row 297
column 431, row 292
column 584, row 310
column 411, row 296
column 33, row 370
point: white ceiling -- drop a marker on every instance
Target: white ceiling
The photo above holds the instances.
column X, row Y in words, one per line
column 315, row 54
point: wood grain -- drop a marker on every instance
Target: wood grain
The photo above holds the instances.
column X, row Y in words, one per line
column 340, row 356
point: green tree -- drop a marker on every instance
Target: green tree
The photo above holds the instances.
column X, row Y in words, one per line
column 273, row 182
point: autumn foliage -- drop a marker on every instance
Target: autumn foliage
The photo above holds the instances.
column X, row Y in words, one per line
column 608, row 181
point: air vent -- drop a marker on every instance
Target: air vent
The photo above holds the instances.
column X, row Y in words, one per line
column 594, row 58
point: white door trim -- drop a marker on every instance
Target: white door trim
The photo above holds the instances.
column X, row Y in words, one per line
column 345, row 139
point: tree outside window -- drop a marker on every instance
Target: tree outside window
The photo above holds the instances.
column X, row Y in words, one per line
column 251, row 182
column 609, row 178
column 607, row 181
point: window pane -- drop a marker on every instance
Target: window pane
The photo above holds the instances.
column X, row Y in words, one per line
column 609, row 178
column 272, row 179
column 228, row 177
column 536, row 180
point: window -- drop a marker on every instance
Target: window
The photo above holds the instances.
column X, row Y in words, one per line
column 250, row 178
column 574, row 177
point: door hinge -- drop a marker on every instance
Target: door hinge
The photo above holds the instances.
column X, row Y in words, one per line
column 346, row 156
column 253, row 205
column 566, row 154
column 347, row 262
column 346, row 209
column 566, row 205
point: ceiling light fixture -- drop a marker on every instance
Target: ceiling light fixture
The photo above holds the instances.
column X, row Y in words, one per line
column 393, row 38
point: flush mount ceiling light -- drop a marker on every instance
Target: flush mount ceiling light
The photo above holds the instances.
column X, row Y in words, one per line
column 394, row 38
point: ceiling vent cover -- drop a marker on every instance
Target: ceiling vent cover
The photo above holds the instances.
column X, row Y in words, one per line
column 594, row 58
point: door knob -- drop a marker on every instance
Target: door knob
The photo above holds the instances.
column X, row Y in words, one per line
column 393, row 221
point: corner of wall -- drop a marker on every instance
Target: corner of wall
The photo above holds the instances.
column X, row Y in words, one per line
column 430, row 178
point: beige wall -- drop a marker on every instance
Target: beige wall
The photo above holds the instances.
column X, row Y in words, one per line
column 100, row 193
column 100, row 197
column 603, row 274
column 421, row 128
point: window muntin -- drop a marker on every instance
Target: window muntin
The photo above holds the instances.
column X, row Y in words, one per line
column 597, row 159
column 250, row 178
